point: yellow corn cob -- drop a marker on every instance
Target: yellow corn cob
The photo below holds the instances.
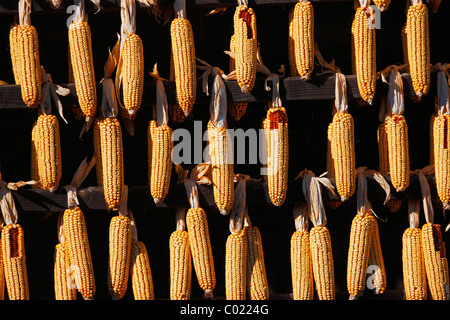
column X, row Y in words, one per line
column 83, row 66
column 301, row 266
column 236, row 265
column 441, row 137
column 245, row 47
column 376, row 261
column 97, row 151
column 79, row 252
column 434, row 252
column 160, row 164
column 222, row 169
column 176, row 114
column 180, row 266
column 48, row 151
column 358, row 253
column 322, row 262
column 63, row 289
column 235, row 109
column 365, row 55
column 343, row 153
column 184, row 64
column 275, row 126
column 112, row 161
column 200, row 245
column 383, row 158
column 257, row 286
column 30, row 66
column 14, row 262
column 414, row 277
column 405, row 44
column 303, row 24
column 291, row 51
column 13, row 49
column 398, row 151
column 132, row 72
column 141, row 273
column 418, row 48
column 119, row 256
column 382, row 4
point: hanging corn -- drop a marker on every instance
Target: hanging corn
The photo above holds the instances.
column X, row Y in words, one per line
column 235, row 109
column 303, row 38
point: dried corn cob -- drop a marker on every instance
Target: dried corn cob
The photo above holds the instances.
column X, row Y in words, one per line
column 160, row 146
column 48, row 151
column 441, row 136
column 376, row 261
column 63, row 290
column 343, row 153
column 418, row 48
column 236, row 265
column 358, row 253
column 184, row 64
column 200, row 245
column 132, row 72
column 365, row 54
column 222, row 171
column 30, row 66
column 79, row 252
column 301, row 265
column 83, row 66
column 141, row 273
column 322, row 262
column 435, row 264
column 119, row 256
column 14, row 262
column 245, row 47
column 398, row 151
column 112, row 161
column 291, row 49
column 275, row 126
column 235, row 109
column 257, row 286
column 180, row 266
column 303, row 34
column 382, row 4
column 414, row 277
column 13, row 48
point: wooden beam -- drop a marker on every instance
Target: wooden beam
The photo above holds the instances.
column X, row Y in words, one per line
column 291, row 89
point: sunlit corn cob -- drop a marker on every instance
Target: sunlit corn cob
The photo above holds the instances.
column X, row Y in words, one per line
column 13, row 49
column 112, row 161
column 382, row 4
column 301, row 266
column 83, row 66
column 376, row 262
column 222, row 169
column 97, row 152
column 383, row 158
column 398, row 151
column 358, row 253
column 160, row 164
column 441, row 139
column 414, row 277
column 119, row 256
column 184, row 64
column 180, row 266
column 275, row 126
column 245, row 47
column 200, row 245
column 303, row 24
column 79, row 252
column 405, row 44
column 48, row 151
column 30, row 66
column 235, row 109
column 418, row 48
column 257, row 286
column 176, row 114
column 434, row 252
column 322, row 262
column 64, row 288
column 365, row 54
column 141, row 273
column 236, row 266
column 14, row 262
column 330, row 160
column 343, row 153
column 132, row 72
column 291, row 50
